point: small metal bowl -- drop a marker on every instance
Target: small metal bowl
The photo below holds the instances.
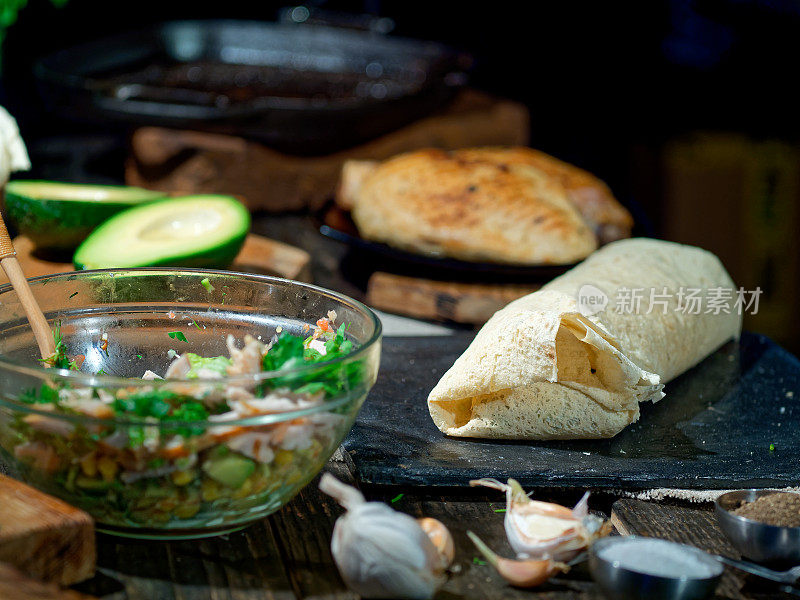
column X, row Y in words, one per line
column 755, row 540
column 621, row 583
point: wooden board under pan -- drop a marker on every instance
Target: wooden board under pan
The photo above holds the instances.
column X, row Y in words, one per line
column 258, row 255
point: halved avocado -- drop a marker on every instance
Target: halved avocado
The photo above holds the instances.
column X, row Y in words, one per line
column 59, row 216
column 191, row 231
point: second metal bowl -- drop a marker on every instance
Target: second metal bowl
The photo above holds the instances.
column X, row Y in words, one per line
column 620, row 583
column 755, row 540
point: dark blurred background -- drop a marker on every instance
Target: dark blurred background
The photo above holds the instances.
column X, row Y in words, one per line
column 686, row 108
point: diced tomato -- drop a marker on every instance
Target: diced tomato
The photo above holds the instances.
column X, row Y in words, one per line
column 172, row 452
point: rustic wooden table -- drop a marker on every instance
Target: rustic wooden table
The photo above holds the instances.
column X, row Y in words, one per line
column 287, row 555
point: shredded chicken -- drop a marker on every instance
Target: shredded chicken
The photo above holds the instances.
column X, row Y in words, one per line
column 105, row 396
column 246, row 360
column 89, row 406
column 115, row 441
column 318, row 345
column 74, row 394
column 255, row 445
column 49, row 425
column 235, row 393
column 223, row 430
column 273, row 403
column 152, row 435
column 179, row 368
column 297, row 437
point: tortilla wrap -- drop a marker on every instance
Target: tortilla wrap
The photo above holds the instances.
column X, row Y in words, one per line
column 542, row 368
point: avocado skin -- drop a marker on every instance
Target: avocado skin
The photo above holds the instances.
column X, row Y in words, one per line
column 58, row 225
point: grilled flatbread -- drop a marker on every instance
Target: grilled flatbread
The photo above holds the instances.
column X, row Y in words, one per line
column 541, row 368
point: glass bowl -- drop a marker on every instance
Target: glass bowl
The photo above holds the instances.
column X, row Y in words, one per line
column 141, row 476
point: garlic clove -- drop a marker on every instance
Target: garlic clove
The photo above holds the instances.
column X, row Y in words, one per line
column 519, row 573
column 346, row 495
column 441, row 538
column 517, row 497
column 544, row 530
column 382, row 553
column 581, row 509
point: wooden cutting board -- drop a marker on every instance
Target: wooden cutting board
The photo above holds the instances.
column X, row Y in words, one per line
column 14, row 585
column 469, row 303
column 43, row 537
column 258, row 255
column 196, row 162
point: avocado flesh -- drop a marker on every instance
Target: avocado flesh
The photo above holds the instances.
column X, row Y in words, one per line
column 192, row 231
column 59, row 216
column 231, row 470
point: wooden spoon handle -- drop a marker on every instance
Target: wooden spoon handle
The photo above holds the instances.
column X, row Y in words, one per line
column 10, row 264
column 6, row 247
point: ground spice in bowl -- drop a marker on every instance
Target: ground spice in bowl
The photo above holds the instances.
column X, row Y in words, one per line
column 779, row 509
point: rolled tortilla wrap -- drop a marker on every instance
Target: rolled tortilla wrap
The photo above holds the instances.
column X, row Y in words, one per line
column 542, row 369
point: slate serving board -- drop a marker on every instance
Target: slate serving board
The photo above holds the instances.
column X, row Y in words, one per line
column 712, row 431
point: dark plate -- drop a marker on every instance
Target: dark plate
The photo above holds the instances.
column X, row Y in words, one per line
column 337, row 224
column 713, row 430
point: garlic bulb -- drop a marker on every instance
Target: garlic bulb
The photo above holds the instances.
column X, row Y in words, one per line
column 13, row 156
column 382, row 553
column 441, row 538
column 543, row 530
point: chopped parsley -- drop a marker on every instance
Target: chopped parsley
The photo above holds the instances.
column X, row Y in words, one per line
column 397, row 498
column 178, row 335
column 289, row 352
column 189, row 411
column 155, row 403
column 44, row 395
column 163, row 405
column 59, row 359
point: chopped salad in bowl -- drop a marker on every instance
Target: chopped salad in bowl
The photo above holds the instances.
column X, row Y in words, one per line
column 236, row 405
